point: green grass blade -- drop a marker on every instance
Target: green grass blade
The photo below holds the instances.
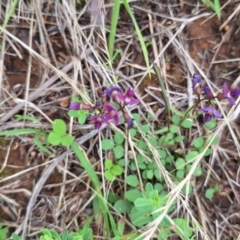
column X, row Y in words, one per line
column 139, row 34
column 114, row 21
column 217, row 8
column 16, row 132
column 40, row 145
column 83, row 159
column 9, row 14
column 26, row 117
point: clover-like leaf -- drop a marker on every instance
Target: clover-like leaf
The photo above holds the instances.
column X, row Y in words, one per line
column 123, row 206
column 132, row 180
column 198, row 142
column 118, row 151
column 59, row 127
column 118, row 138
column 109, row 176
column 54, row 139
column 67, row 140
column 187, row 123
column 107, row 144
column 116, row 170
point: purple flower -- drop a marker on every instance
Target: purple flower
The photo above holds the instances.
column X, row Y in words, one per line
column 210, row 112
column 128, row 98
column 196, row 80
column 207, row 91
column 74, row 106
column 112, row 90
column 230, row 94
column 111, row 113
column 98, row 120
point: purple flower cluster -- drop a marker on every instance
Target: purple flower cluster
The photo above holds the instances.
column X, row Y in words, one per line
column 104, row 111
column 209, row 111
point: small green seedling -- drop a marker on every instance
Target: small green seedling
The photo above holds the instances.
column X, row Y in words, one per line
column 215, row 5
column 58, row 135
column 81, row 115
column 112, row 170
column 3, row 232
column 209, row 193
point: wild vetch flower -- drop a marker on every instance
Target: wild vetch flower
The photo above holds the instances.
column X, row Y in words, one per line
column 111, row 113
column 98, row 120
column 207, row 91
column 210, row 112
column 79, row 106
column 196, row 80
column 112, row 90
column 128, row 97
column 230, row 94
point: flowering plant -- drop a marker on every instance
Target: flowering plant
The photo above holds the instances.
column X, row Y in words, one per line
column 104, row 112
column 209, row 110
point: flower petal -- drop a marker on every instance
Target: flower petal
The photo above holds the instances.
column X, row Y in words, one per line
column 235, row 92
column 225, row 89
column 196, row 80
column 75, row 106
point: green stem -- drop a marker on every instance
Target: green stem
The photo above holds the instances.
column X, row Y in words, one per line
column 83, row 159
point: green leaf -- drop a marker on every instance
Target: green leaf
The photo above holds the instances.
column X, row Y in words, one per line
column 187, row 123
column 67, row 140
column 180, row 174
column 143, row 204
column 132, row 132
column 170, row 159
column 39, row 144
column 109, row 176
column 152, row 140
column 82, row 116
column 142, row 145
column 183, row 230
column 209, row 193
column 161, row 130
column 27, row 117
column 123, row 206
column 149, row 187
column 116, row 170
column 132, row 180
column 180, row 163
column 150, row 174
column 197, row 172
column 73, row 113
column 118, row 151
column 107, row 144
column 132, row 195
column 162, row 153
column 3, row 232
column 54, row 139
column 118, row 138
column 211, row 124
column 175, row 119
column 198, row 142
column 108, row 164
column 14, row 236
column 179, row 138
column 16, row 132
column 59, row 127
column 191, row 155
column 145, row 128
column 139, row 218
column 174, row 128
column 136, row 117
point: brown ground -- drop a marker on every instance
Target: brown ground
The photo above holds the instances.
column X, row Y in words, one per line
column 206, row 39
